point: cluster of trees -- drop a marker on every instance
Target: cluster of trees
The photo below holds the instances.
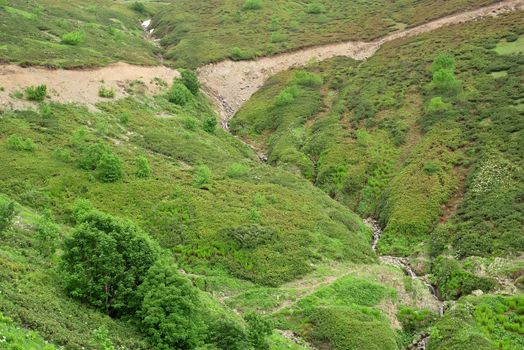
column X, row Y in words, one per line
column 112, row 265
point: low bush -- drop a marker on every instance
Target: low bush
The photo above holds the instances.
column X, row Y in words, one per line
column 202, row 177
column 17, row 143
column 252, row 5
column 138, row 7
column 237, row 170
column 238, row 54
column 190, row 80
column 7, row 214
column 179, row 94
column 36, row 93
column 315, row 8
column 210, row 124
column 106, row 92
column 109, row 168
column 73, row 38
column 143, row 169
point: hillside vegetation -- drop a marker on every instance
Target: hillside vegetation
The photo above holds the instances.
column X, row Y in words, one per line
column 194, row 33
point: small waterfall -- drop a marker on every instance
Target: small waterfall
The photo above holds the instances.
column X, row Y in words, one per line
column 421, row 342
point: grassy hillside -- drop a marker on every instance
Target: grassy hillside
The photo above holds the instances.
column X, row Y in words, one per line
column 194, row 34
column 389, row 139
column 226, row 218
column 73, row 33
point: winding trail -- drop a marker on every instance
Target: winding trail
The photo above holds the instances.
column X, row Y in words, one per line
column 231, row 83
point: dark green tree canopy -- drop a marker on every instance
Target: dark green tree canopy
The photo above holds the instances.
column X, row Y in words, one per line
column 105, row 260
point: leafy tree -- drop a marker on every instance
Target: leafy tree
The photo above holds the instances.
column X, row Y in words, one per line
column 179, row 94
column 202, row 177
column 259, row 328
column 7, row 214
column 170, row 313
column 109, row 168
column 105, row 261
column 142, row 167
column 210, row 124
column 190, row 80
column 92, row 155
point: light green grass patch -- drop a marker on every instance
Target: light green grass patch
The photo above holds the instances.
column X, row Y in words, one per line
column 509, row 48
column 18, row 12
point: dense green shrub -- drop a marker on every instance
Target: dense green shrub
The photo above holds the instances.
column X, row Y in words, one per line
column 138, row 7
column 142, row 167
column 73, row 38
column 7, row 214
column 17, row 143
column 179, row 94
column 109, row 168
column 210, row 124
column 92, row 155
column 346, row 328
column 47, row 234
column 259, row 328
column 415, row 320
column 227, row 334
column 36, row 93
column 171, row 312
column 453, row 281
column 190, row 80
column 252, row 5
column 105, row 260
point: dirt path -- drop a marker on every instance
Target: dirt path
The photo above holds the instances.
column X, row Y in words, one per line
column 231, row 83
column 78, row 86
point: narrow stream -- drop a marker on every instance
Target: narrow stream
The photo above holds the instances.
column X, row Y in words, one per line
column 421, row 342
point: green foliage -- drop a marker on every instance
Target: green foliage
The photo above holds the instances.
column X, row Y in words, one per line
column 315, row 8
column 252, row 5
column 190, row 80
column 237, row 54
column 7, row 214
column 178, row 93
column 109, row 168
column 259, row 328
column 307, row 79
column 143, row 169
column 202, row 177
column 47, row 235
column 138, row 7
column 416, row 320
column 106, row 92
column 124, row 118
column 443, row 61
column 346, row 328
column 73, row 38
column 101, row 340
column 250, row 236
column 237, row 170
column 453, row 281
column 17, row 143
column 210, row 124
column 14, row 338
column 36, row 93
column 104, row 262
column 171, row 312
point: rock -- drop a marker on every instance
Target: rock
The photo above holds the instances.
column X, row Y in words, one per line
column 477, row 293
